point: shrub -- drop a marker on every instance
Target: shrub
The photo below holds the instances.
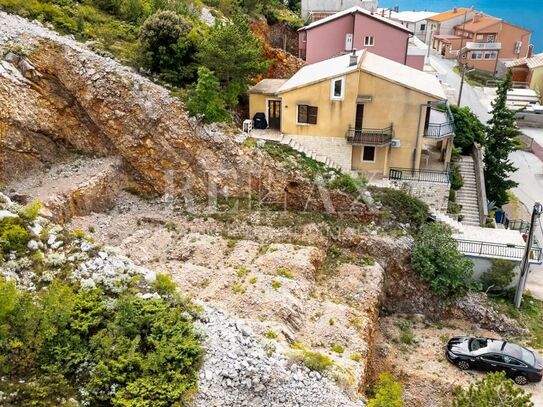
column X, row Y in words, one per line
column 348, row 184
column 316, row 361
column 239, row 289
column 241, row 271
column 252, row 280
column 206, row 99
column 270, row 334
column 499, row 276
column 388, row 392
column 275, row 284
column 457, row 181
column 493, row 390
column 13, row 235
column 283, row 272
column 337, row 349
column 164, row 285
column 468, row 128
column 404, row 207
column 31, row 211
column 438, row 262
column 145, row 349
column 407, row 336
column 357, row 357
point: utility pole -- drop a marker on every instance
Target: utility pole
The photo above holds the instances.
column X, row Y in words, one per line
column 463, row 65
column 461, row 84
column 525, row 265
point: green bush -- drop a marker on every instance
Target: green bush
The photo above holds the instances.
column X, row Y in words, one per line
column 436, row 259
column 31, row 211
column 499, row 276
column 164, row 285
column 388, row 392
column 457, row 181
column 404, row 207
column 13, row 236
column 58, row 343
column 316, row 361
column 468, row 128
column 206, row 99
column 493, row 390
column 348, row 184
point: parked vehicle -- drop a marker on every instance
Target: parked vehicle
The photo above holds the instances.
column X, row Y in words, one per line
column 491, row 355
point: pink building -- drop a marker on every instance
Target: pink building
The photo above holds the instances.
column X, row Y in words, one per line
column 355, row 28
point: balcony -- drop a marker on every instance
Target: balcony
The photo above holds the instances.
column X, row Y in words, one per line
column 368, row 136
column 440, row 125
column 422, row 175
column 498, row 251
column 483, row 46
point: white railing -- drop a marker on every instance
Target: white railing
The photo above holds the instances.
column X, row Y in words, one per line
column 484, row 45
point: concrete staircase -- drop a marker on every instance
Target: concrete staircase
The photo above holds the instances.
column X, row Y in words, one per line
column 304, row 150
column 447, row 220
column 467, row 195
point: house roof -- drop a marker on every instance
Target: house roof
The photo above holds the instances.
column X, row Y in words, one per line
column 354, row 10
column 447, row 15
column 482, row 22
column 403, row 75
column 533, row 62
column 267, row 86
column 412, row 16
column 446, row 37
column 329, row 68
column 367, row 62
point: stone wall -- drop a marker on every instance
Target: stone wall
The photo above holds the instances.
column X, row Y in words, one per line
column 335, row 148
column 435, row 195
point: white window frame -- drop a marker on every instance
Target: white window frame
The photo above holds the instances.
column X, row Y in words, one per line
column 491, row 38
column 480, row 37
column 332, row 88
column 479, row 53
column 369, row 41
column 362, row 154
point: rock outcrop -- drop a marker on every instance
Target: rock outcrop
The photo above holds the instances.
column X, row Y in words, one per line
column 56, row 95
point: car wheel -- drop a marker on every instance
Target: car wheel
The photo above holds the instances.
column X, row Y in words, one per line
column 520, row 379
column 464, row 365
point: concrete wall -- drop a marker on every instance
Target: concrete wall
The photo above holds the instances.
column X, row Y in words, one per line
column 335, row 5
column 481, row 265
column 259, row 103
column 328, row 40
column 335, row 148
column 536, row 80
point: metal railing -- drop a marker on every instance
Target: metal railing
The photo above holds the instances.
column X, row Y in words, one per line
column 497, row 250
column 517, row 224
column 408, row 174
column 370, row 136
column 441, row 130
column 483, row 46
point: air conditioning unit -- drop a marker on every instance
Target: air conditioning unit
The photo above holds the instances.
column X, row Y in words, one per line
column 395, row 142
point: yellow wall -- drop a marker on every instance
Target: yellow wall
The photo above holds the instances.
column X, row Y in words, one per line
column 536, row 82
column 377, row 166
column 258, row 103
column 333, row 117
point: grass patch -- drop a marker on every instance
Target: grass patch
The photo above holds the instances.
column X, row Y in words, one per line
column 270, row 334
column 275, row 284
column 241, row 271
column 283, row 272
column 239, row 289
column 316, row 361
column 357, row 357
column 252, row 280
column 474, row 78
column 407, row 336
column 337, row 349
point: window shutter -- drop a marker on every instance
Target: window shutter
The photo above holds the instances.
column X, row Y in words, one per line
column 312, row 114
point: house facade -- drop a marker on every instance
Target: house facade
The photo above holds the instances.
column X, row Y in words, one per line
column 444, row 23
column 314, row 10
column 415, row 21
column 364, row 112
column 354, row 29
column 483, row 41
column 528, row 70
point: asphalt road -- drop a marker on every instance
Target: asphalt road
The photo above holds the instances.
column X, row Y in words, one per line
column 530, row 168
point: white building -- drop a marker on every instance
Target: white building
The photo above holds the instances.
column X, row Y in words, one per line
column 316, row 9
column 416, row 21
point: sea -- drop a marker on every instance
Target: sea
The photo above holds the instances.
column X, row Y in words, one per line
column 525, row 13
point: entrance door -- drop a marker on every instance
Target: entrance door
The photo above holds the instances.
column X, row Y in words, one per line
column 348, row 42
column 359, row 116
column 274, row 114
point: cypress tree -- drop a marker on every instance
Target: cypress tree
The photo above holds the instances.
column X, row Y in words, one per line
column 500, row 142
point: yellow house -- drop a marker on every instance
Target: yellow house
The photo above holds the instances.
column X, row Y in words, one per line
column 530, row 71
column 365, row 112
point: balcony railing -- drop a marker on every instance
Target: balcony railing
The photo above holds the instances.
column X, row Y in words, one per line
column 439, row 130
column 498, row 250
column 370, row 136
column 483, row 46
column 407, row 174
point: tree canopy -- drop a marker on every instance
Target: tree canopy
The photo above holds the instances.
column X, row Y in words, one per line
column 468, row 128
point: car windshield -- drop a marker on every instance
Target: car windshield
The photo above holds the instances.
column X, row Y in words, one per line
column 528, row 356
column 477, row 343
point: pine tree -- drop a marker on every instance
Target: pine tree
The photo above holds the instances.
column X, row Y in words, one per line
column 206, row 99
column 235, row 55
column 500, row 134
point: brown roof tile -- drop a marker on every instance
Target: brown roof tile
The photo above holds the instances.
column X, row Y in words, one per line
column 447, row 15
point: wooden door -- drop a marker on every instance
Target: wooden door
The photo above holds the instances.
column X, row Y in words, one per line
column 359, row 116
column 274, row 114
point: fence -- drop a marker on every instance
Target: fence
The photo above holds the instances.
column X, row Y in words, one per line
column 408, row 174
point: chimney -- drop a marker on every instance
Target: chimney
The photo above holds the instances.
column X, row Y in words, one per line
column 455, row 10
column 530, row 51
column 353, row 59
column 477, row 17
